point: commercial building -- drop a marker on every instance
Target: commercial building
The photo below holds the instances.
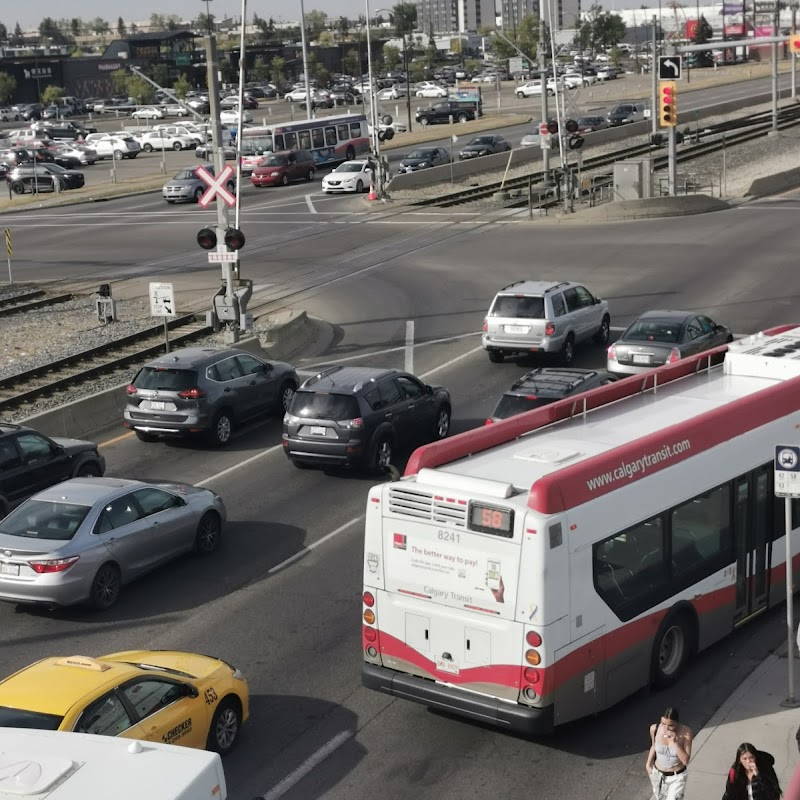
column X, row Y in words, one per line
column 454, row 16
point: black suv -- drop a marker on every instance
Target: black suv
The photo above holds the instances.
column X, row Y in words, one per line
column 459, row 110
column 31, row 461
column 358, row 416
column 544, row 386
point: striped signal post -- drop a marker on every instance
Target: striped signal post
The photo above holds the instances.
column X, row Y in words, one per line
column 9, row 253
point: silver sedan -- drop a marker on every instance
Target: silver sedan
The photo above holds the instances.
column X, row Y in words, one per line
column 81, row 540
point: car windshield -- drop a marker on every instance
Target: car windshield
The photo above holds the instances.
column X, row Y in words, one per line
column 274, row 161
column 511, row 404
column 19, row 718
column 481, row 140
column 652, row 331
column 622, row 110
column 323, row 405
column 422, row 154
column 523, row 307
column 587, row 121
column 185, row 175
column 165, row 379
column 352, row 166
column 45, row 519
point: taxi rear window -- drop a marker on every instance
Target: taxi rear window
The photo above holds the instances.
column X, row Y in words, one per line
column 18, row 718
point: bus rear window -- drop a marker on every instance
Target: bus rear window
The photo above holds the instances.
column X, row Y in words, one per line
column 18, row 718
column 320, row 405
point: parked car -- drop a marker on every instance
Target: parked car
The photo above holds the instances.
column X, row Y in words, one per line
column 162, row 139
column 592, row 123
column 545, row 385
column 626, row 113
column 31, row 461
column 606, row 73
column 359, row 416
column 54, row 111
column 351, row 176
column 484, row 145
column 92, row 535
column 205, row 390
column 662, row 337
column 232, row 117
column 296, row 95
column 196, row 135
column 345, row 95
column 283, row 167
column 188, row 187
column 9, row 115
column 575, row 80
column 117, row 146
column 43, row 178
column 544, row 318
column 424, row 158
column 86, row 156
column 430, row 90
column 534, row 88
column 149, row 112
column 447, row 110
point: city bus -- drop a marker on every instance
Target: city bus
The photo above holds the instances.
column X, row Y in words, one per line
column 331, row 139
column 541, row 569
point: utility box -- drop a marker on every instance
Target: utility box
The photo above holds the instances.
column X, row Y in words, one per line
column 633, row 180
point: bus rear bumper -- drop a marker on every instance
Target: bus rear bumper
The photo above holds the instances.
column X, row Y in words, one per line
column 517, row 718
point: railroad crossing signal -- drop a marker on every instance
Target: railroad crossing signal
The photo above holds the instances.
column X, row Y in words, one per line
column 9, row 248
column 670, row 68
column 216, row 186
column 794, row 44
column 667, row 109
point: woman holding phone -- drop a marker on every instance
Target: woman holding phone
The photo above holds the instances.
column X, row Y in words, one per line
column 670, row 751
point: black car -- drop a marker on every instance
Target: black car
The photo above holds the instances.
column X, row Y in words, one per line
column 359, row 416
column 541, row 387
column 206, row 152
column 343, row 95
column 31, row 461
column 484, row 146
column 588, row 124
column 424, row 158
column 43, row 177
column 447, row 110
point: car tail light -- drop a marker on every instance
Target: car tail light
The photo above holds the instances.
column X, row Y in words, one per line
column 549, row 329
column 369, row 599
column 130, row 389
column 533, row 639
column 674, row 355
column 353, row 424
column 533, row 657
column 485, row 326
column 489, row 421
column 192, row 394
column 612, row 352
column 53, row 565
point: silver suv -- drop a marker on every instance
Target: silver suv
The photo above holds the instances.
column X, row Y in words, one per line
column 544, row 317
column 204, row 390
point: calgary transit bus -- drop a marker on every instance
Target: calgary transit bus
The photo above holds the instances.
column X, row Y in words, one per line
column 539, row 570
column 331, row 139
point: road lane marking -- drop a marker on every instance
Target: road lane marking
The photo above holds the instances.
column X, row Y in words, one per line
column 310, row 547
column 116, row 439
column 310, row 204
column 307, row 766
column 451, row 362
column 239, row 465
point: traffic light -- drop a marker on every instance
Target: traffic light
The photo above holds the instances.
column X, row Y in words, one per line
column 207, row 239
column 667, row 109
column 571, row 125
column 234, row 239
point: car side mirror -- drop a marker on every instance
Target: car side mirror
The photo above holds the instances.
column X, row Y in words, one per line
column 191, row 691
column 428, row 389
column 598, row 300
column 57, row 449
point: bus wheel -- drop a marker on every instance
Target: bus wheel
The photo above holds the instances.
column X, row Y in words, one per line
column 671, row 650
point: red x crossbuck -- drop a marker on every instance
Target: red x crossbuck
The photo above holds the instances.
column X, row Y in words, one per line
column 216, row 186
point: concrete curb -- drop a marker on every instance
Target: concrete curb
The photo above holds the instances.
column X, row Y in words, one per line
column 80, row 419
column 647, row 208
column 775, row 184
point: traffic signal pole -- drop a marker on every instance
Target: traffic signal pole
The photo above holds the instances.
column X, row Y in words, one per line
column 654, row 75
column 232, row 328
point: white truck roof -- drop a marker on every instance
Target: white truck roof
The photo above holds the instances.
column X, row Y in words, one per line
column 57, row 765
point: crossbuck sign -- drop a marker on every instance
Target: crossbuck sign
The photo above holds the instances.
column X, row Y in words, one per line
column 216, row 186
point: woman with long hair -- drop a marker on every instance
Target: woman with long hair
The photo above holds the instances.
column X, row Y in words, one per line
column 752, row 776
column 670, row 751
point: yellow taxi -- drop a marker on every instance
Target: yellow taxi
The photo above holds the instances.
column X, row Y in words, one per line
column 156, row 695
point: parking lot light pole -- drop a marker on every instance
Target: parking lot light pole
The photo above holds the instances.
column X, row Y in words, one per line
column 373, row 109
column 309, row 103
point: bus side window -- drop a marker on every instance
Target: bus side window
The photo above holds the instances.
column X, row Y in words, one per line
column 330, row 136
column 290, row 141
column 355, row 130
column 701, row 534
column 344, row 133
column 318, row 137
column 304, row 140
column 278, row 139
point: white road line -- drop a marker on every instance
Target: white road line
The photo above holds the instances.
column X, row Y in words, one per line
column 310, row 204
column 309, row 764
column 309, row 548
column 451, row 362
column 239, row 465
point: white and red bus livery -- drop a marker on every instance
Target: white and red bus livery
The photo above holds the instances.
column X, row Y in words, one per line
column 541, row 569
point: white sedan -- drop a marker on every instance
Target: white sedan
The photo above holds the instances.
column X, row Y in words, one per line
column 430, row 91
column 148, row 112
column 232, row 117
column 352, row 176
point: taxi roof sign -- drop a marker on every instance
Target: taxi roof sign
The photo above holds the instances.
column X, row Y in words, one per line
column 84, row 663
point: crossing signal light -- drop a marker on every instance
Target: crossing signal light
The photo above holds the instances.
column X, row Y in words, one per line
column 207, row 239
column 667, row 110
column 552, row 126
column 575, row 142
column 571, row 125
column 234, row 239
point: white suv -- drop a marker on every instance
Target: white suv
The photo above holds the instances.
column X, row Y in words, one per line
column 117, row 146
column 162, row 139
column 544, row 317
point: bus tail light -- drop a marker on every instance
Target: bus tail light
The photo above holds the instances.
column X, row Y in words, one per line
column 533, row 657
column 370, row 634
column 369, row 599
column 674, row 355
column 532, row 675
column 549, row 329
column 533, row 639
column 369, row 616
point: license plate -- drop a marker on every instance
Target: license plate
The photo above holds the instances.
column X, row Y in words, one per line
column 157, row 405
column 517, row 329
column 445, row 665
column 9, row 569
column 641, row 359
column 317, row 430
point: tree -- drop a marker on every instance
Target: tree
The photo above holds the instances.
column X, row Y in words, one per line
column 76, row 26
column 7, row 86
column 326, row 39
column 343, row 25
column 3, row 33
column 351, row 63
column 52, row 95
column 122, row 31
column 260, row 70
column 139, row 89
column 17, row 40
column 391, row 56
column 703, row 33
column 119, row 80
column 99, row 26
column 316, row 22
column 159, row 73
column 134, row 28
column 276, row 68
column 173, row 21
column 181, row 86
column 157, row 22
column 204, row 22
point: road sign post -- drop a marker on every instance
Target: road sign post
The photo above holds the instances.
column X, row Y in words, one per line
column 162, row 304
column 787, row 485
column 9, row 253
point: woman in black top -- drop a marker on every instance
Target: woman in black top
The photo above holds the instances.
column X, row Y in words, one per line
column 753, row 770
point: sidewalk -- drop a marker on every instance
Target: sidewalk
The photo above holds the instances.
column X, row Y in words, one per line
column 753, row 713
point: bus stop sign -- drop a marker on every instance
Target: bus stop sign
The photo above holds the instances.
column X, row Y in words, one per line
column 787, row 470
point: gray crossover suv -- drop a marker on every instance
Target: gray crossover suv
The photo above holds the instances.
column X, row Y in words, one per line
column 205, row 390
column 545, row 317
column 359, row 416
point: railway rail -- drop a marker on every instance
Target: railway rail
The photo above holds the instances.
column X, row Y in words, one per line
column 30, row 301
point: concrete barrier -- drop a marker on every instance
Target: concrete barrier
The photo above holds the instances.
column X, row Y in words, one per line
column 80, row 419
column 775, row 184
column 647, row 208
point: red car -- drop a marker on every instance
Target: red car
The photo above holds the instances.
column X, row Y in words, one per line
column 284, row 167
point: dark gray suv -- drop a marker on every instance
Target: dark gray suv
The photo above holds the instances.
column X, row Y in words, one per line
column 359, row 416
column 205, row 390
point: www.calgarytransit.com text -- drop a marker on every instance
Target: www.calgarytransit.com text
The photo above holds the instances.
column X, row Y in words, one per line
column 628, row 469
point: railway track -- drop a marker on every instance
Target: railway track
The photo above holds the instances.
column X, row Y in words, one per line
column 726, row 134
column 18, row 391
column 29, row 301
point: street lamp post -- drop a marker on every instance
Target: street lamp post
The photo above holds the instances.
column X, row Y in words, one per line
column 373, row 109
column 309, row 102
column 208, row 17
